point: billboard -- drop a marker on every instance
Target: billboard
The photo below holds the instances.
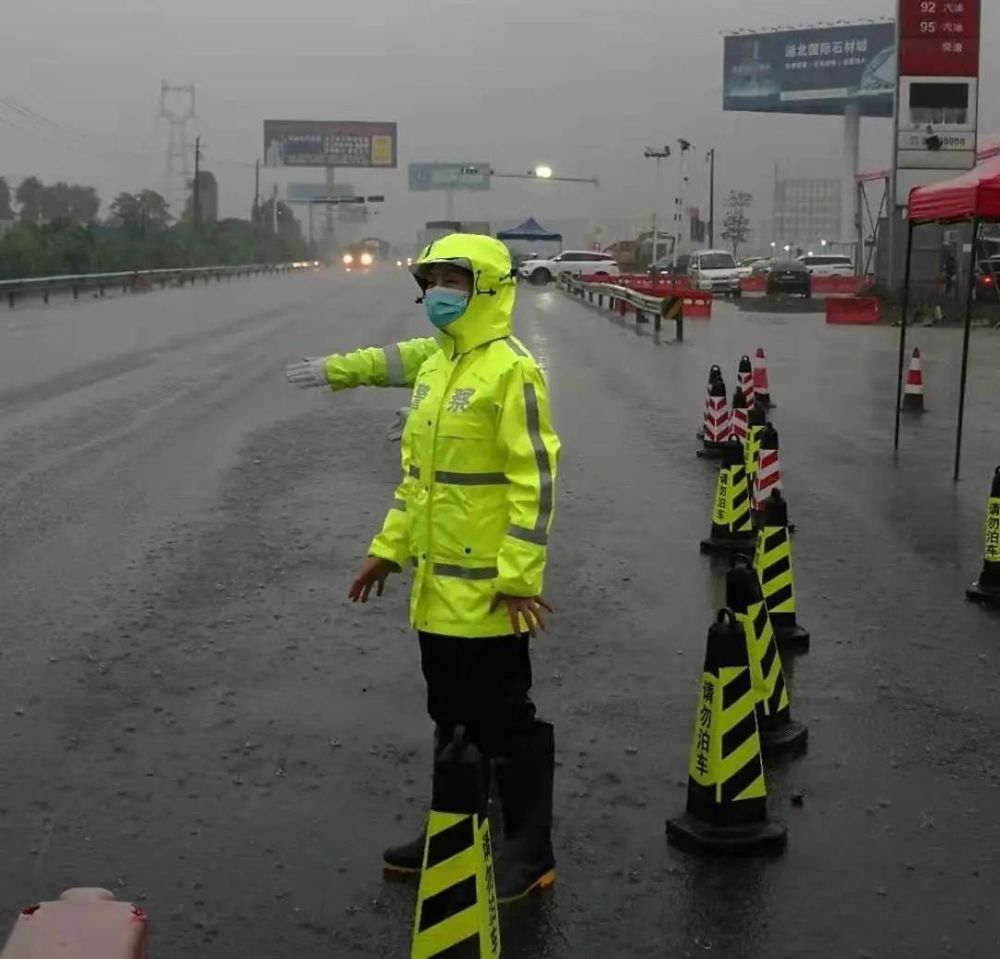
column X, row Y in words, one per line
column 814, row 70
column 333, row 143
column 304, row 192
column 449, row 176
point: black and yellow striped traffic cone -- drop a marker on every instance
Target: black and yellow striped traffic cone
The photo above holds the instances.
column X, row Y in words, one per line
column 780, row 735
column 773, row 562
column 726, row 800
column 457, row 903
column 732, row 529
column 987, row 588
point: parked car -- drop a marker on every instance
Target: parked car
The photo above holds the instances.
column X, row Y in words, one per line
column 569, row 261
column 715, row 271
column 746, row 267
column 828, row 264
column 670, row 267
column 788, row 276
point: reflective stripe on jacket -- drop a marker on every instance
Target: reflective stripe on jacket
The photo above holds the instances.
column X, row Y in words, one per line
column 393, row 365
column 480, row 456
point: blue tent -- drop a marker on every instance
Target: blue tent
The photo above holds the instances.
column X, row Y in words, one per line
column 530, row 229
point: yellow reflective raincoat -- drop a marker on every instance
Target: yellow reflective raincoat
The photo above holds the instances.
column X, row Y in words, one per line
column 480, row 455
column 393, row 365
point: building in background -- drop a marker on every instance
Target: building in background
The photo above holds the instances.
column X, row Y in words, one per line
column 806, row 212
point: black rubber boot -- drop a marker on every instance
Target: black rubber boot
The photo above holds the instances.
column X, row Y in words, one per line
column 526, row 862
column 408, row 859
column 405, row 860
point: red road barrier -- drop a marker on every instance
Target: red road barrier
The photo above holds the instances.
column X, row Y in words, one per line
column 854, row 311
column 753, row 284
column 836, row 285
column 697, row 305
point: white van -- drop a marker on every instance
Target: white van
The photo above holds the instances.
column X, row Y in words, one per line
column 715, row 271
column 828, row 264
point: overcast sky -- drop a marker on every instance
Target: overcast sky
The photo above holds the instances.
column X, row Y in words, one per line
column 583, row 85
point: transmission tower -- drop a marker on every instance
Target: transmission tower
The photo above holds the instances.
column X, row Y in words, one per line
column 177, row 107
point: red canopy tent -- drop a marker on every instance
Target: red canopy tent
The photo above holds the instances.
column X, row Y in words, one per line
column 974, row 196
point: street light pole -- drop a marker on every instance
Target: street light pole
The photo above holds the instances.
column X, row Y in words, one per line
column 658, row 155
column 711, row 199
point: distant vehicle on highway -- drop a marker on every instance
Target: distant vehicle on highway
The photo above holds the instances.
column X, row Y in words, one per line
column 828, row 264
column 715, row 271
column 788, row 276
column 364, row 254
column 569, row 261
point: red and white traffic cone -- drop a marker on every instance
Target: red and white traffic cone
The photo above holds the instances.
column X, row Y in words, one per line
column 768, row 475
column 715, row 373
column 716, row 430
column 761, row 386
column 740, row 417
column 744, row 379
column 913, row 391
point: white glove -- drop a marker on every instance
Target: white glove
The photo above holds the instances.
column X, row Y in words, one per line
column 396, row 430
column 307, row 373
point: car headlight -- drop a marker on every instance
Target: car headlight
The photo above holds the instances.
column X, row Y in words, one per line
column 348, row 259
column 409, row 261
column 399, row 262
column 367, row 259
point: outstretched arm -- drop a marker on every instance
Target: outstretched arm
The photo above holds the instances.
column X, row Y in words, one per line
column 393, row 365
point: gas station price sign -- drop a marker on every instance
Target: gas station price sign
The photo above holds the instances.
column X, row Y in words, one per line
column 939, row 38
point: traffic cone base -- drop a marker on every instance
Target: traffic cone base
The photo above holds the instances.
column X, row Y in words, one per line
column 790, row 739
column 726, row 809
column 692, row 835
column 712, row 452
column 792, row 637
column 980, row 594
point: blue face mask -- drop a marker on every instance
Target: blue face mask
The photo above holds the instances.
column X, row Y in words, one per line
column 445, row 306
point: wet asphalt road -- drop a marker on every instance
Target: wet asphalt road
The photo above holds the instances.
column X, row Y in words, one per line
column 194, row 716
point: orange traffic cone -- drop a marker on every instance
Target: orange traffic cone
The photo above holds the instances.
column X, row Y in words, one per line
column 913, row 392
column 761, row 386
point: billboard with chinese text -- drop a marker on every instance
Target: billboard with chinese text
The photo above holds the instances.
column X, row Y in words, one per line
column 816, row 71
column 334, row 143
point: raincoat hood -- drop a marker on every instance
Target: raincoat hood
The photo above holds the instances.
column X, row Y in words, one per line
column 491, row 304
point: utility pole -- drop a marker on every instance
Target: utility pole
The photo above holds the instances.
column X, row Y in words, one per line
column 196, row 189
column 657, row 155
column 274, row 210
column 255, row 213
column 711, row 198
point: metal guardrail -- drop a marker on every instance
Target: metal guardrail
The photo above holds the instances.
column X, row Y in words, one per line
column 618, row 297
column 135, row 280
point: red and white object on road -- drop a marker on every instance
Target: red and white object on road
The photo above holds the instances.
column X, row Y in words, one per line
column 744, row 379
column 768, row 476
column 761, row 385
column 81, row 924
column 717, row 421
column 913, row 391
column 714, row 373
column 739, row 419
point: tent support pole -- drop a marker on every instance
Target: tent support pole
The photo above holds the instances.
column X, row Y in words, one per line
column 965, row 344
column 902, row 331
